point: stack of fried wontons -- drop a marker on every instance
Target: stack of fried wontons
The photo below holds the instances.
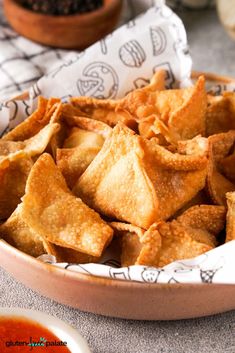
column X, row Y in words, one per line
column 155, row 171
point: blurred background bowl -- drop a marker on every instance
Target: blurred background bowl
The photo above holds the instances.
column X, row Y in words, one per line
column 226, row 12
column 76, row 31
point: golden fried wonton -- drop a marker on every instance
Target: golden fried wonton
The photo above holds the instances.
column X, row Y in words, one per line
column 209, row 217
column 145, row 127
column 178, row 243
column 112, row 111
column 178, row 113
column 16, row 232
column 220, row 146
column 80, row 148
column 201, row 198
column 138, row 246
column 83, row 138
column 9, row 147
column 35, row 122
column 102, row 110
column 162, row 243
column 73, row 162
column 230, row 225
column 13, row 180
column 68, row 255
column 157, row 82
column 220, row 114
column 205, row 222
column 118, row 184
column 138, row 181
column 227, row 166
column 95, row 126
column 55, row 113
column 50, row 209
column 15, row 165
column 126, row 227
column 31, row 147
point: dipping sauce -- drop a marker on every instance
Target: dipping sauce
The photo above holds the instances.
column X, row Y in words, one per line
column 23, row 335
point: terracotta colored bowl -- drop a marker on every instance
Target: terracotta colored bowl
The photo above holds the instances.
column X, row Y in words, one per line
column 70, row 32
column 124, row 299
column 117, row 298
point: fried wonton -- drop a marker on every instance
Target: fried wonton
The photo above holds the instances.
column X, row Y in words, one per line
column 73, row 162
column 220, row 114
column 157, row 82
column 58, row 139
column 161, row 244
column 145, row 127
column 9, row 147
column 98, row 108
column 119, row 162
column 55, row 114
column 227, row 166
column 38, row 143
column 54, row 110
column 152, row 182
column 176, row 113
column 230, row 218
column 178, row 243
column 218, row 185
column 102, row 110
column 87, row 124
column 17, row 155
column 201, row 198
column 17, row 233
column 68, row 255
column 35, row 122
column 208, row 217
column 137, row 246
column 126, row 227
column 113, row 111
column 205, row 221
column 53, row 212
column 32, row 146
column 83, row 138
column 80, row 148
column 13, row 177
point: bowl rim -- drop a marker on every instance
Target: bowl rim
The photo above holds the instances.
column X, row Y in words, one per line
column 96, row 280
column 92, row 16
column 212, row 77
column 52, row 323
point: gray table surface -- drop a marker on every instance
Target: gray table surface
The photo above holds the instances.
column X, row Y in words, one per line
column 212, row 50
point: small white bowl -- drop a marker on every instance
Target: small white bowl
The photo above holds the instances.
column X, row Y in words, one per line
column 75, row 342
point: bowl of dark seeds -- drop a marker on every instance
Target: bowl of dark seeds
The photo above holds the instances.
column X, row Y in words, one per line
column 70, row 24
column 62, row 7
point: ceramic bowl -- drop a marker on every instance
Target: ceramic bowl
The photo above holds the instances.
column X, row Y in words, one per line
column 117, row 298
column 76, row 31
column 64, row 332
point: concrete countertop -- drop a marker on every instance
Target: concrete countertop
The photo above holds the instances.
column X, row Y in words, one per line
column 212, row 50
